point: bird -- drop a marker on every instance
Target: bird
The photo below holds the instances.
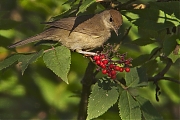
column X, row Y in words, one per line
column 82, row 33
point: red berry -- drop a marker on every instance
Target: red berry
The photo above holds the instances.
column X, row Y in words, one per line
column 127, row 69
column 105, row 61
column 113, row 72
column 121, row 69
column 98, row 62
column 109, row 74
column 122, row 59
column 102, row 56
column 117, row 68
column 102, row 65
column 104, row 71
column 127, row 62
column 111, row 66
column 96, row 57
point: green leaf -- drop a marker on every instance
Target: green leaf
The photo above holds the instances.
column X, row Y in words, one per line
column 143, row 41
column 178, row 41
column 140, row 60
column 169, row 44
column 129, row 107
column 158, row 35
column 104, row 95
column 153, row 25
column 155, row 53
column 148, row 111
column 150, row 18
column 168, row 7
column 147, row 33
column 58, row 60
column 9, row 61
column 174, row 57
column 25, row 60
column 151, row 66
column 136, row 77
column 85, row 5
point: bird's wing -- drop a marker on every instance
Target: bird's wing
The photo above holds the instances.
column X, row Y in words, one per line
column 65, row 23
column 78, row 24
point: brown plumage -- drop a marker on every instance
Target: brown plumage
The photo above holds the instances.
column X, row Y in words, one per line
column 80, row 33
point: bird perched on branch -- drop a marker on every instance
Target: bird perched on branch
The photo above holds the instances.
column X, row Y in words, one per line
column 82, row 33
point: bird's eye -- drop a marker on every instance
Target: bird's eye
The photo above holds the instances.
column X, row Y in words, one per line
column 110, row 19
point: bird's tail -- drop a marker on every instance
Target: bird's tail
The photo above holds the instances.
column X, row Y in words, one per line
column 38, row 37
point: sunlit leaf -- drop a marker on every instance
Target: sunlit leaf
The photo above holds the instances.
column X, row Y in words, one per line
column 174, row 57
column 104, row 95
column 129, row 107
column 9, row 61
column 25, row 60
column 168, row 7
column 150, row 18
column 58, row 60
column 85, row 5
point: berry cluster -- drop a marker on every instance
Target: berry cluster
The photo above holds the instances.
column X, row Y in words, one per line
column 110, row 67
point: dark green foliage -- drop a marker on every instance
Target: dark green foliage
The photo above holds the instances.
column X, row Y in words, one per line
column 40, row 94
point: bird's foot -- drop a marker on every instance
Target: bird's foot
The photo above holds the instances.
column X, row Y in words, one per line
column 86, row 53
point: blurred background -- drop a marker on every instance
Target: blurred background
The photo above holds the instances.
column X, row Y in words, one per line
column 39, row 93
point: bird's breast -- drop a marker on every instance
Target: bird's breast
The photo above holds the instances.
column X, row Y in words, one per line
column 76, row 40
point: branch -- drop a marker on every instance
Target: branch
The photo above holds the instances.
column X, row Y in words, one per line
column 164, row 78
column 87, row 81
column 166, row 68
column 160, row 75
column 171, row 79
column 124, row 36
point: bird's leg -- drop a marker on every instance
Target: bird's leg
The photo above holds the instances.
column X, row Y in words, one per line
column 49, row 49
column 86, row 53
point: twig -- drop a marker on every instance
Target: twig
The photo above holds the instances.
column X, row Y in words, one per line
column 164, row 78
column 171, row 79
column 86, row 88
column 160, row 75
column 166, row 68
column 155, row 53
column 122, row 85
column 125, row 35
column 49, row 49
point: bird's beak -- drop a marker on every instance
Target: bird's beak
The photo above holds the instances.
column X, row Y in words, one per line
column 116, row 31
